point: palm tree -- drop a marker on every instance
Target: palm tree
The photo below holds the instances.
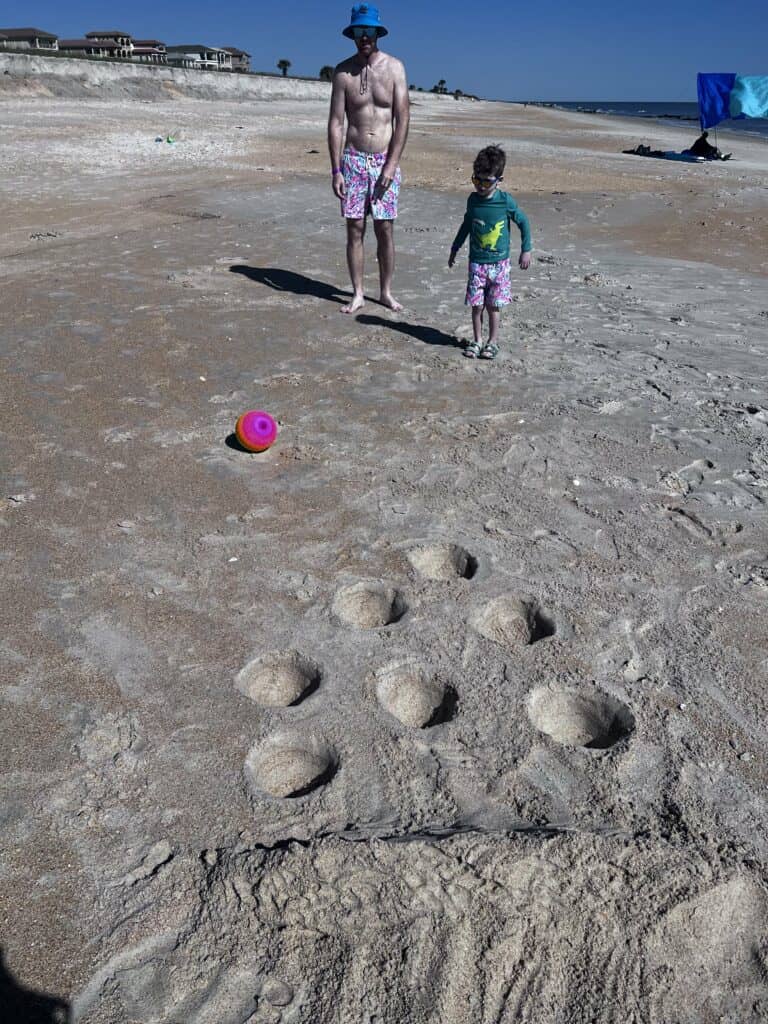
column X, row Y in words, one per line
column 326, row 73
column 441, row 86
column 284, row 64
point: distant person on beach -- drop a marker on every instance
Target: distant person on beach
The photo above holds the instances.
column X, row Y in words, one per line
column 369, row 89
column 486, row 223
column 703, row 148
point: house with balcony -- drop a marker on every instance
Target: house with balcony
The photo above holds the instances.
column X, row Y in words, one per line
column 122, row 40
column 224, row 58
column 149, row 51
column 28, row 39
column 88, row 48
column 203, row 58
column 241, row 61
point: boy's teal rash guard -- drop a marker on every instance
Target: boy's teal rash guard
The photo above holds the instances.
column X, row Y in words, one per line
column 487, row 224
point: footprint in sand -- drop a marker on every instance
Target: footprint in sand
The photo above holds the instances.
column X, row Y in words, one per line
column 413, row 695
column 279, row 679
column 290, row 765
column 276, row 992
column 576, row 718
column 689, row 478
column 369, row 605
column 706, row 959
column 443, row 562
column 512, row 622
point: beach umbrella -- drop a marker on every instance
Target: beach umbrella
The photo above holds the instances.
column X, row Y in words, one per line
column 726, row 95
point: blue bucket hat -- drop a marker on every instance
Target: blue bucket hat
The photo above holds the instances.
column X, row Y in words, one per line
column 365, row 14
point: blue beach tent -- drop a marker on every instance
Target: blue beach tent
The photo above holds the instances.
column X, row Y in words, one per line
column 725, row 96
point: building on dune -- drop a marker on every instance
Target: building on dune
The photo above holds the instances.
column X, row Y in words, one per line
column 122, row 40
column 28, row 39
column 200, row 57
column 149, row 51
column 241, row 61
column 118, row 44
column 88, row 48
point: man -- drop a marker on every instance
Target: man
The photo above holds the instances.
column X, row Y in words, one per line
column 702, row 147
column 371, row 91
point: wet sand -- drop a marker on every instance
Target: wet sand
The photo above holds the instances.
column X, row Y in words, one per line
column 449, row 707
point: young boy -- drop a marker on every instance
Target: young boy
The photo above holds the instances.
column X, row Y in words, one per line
column 489, row 211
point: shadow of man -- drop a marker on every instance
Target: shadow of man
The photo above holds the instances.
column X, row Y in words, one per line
column 23, row 1006
column 290, row 281
column 427, row 335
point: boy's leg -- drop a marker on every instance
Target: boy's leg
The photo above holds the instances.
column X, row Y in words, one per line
column 498, row 294
column 355, row 262
column 494, row 319
column 473, row 349
column 477, row 324
column 491, row 348
column 385, row 238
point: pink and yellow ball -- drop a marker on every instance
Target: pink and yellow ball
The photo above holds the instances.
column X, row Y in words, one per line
column 256, row 431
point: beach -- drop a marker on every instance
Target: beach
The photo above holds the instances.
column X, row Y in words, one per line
column 449, row 707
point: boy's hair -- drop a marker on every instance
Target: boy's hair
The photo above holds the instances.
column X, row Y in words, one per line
column 490, row 162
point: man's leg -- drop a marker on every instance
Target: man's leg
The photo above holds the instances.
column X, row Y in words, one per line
column 385, row 237
column 355, row 262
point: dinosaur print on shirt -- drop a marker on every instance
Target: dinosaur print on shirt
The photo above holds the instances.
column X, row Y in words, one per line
column 489, row 239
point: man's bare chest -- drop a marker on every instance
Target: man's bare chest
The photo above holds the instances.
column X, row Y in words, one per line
column 369, row 90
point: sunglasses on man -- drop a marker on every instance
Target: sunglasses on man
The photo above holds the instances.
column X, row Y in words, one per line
column 364, row 30
column 484, row 182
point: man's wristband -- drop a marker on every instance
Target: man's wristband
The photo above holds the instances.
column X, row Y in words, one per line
column 335, row 170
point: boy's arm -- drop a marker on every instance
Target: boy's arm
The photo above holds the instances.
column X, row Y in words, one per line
column 516, row 214
column 461, row 235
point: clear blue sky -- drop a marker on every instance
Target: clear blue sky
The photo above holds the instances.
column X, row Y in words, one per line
column 547, row 50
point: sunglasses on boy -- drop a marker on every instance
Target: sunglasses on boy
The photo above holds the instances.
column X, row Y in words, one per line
column 364, row 30
column 484, row 182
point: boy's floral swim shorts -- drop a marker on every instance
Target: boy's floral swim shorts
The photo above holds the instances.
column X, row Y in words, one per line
column 361, row 172
column 489, row 285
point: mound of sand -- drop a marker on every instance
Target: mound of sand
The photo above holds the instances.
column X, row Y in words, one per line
column 74, row 78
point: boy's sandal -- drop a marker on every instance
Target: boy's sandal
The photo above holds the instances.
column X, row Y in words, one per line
column 472, row 351
column 490, row 351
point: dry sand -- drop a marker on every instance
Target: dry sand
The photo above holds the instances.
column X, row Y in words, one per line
column 452, row 706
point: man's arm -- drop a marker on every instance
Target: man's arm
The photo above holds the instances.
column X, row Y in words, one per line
column 336, row 132
column 401, row 113
column 401, row 110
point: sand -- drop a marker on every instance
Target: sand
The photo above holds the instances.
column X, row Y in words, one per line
column 451, row 706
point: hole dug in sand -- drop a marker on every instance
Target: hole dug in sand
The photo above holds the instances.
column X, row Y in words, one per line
column 512, row 622
column 369, row 605
column 290, row 765
column 413, row 696
column 278, row 679
column 443, row 562
column 575, row 719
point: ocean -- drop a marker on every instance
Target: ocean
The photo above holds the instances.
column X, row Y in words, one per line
column 686, row 113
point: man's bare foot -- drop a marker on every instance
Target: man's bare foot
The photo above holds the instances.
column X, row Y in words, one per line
column 390, row 302
column 358, row 301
